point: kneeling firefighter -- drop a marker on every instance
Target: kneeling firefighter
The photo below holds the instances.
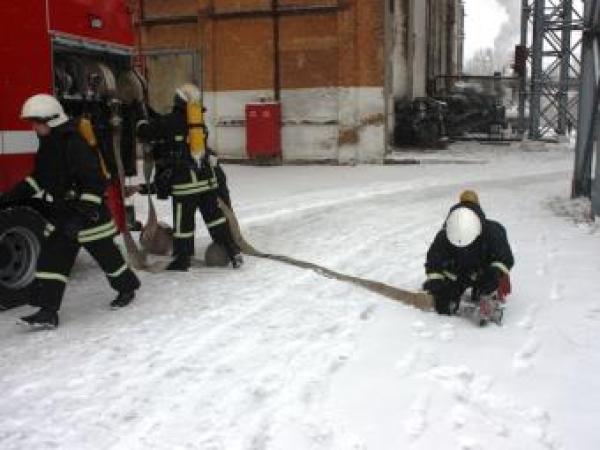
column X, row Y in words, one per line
column 470, row 251
column 69, row 184
column 184, row 172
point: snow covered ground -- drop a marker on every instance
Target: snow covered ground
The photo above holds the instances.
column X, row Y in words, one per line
column 273, row 357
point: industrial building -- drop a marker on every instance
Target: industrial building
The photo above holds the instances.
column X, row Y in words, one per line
column 335, row 66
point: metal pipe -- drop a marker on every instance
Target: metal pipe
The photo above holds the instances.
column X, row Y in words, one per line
column 169, row 20
column 268, row 12
column 537, row 49
column 565, row 63
column 461, row 38
column 387, row 72
column 588, row 112
column 276, row 62
column 525, row 13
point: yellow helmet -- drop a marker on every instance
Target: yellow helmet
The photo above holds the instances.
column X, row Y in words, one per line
column 469, row 196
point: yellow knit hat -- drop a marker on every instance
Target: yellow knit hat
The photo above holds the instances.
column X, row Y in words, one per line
column 469, row 197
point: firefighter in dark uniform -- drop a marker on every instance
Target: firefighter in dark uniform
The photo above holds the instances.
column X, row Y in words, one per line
column 470, row 251
column 70, row 184
column 184, row 172
column 222, row 189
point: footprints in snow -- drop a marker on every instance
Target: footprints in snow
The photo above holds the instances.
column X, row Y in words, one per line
column 476, row 401
column 368, row 312
column 528, row 322
column 416, row 424
column 523, row 358
column 445, row 333
column 423, row 357
column 557, row 289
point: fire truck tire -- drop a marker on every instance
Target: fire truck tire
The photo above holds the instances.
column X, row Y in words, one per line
column 21, row 234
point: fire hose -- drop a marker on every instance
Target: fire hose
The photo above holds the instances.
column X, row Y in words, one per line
column 420, row 300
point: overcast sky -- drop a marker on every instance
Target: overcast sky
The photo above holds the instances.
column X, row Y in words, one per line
column 482, row 24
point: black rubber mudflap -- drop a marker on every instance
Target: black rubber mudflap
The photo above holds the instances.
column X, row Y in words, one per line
column 12, row 220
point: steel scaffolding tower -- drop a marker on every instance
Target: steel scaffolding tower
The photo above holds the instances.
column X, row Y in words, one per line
column 554, row 66
column 588, row 136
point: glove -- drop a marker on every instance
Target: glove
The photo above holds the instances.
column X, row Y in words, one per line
column 435, row 286
column 489, row 280
column 163, row 183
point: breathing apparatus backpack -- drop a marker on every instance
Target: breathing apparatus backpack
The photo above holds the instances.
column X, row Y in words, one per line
column 86, row 131
column 196, row 129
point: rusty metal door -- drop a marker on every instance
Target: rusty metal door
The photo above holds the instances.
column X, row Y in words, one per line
column 168, row 69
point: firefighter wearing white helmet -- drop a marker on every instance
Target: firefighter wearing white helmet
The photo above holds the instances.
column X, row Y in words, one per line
column 68, row 183
column 470, row 251
column 463, row 226
column 186, row 172
column 44, row 108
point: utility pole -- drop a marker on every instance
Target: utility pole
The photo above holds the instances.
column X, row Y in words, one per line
column 588, row 136
column 525, row 14
column 276, row 62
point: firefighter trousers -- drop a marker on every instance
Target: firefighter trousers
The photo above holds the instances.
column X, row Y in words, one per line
column 57, row 258
column 184, row 221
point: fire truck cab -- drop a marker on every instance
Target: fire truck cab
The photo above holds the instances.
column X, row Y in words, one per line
column 81, row 51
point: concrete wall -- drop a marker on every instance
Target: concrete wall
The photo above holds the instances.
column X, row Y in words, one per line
column 425, row 41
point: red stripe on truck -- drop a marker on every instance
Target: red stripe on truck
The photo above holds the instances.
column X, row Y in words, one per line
column 13, row 168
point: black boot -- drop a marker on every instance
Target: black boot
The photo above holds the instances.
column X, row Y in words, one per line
column 181, row 263
column 237, row 261
column 123, row 299
column 445, row 306
column 43, row 319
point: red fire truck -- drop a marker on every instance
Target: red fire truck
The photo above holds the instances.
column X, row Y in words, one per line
column 79, row 50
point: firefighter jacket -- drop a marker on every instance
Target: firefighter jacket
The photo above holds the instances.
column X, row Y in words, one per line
column 68, row 177
column 465, row 265
column 177, row 172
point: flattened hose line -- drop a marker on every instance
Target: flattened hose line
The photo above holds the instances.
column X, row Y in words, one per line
column 420, row 300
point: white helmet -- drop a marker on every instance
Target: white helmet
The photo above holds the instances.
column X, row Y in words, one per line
column 46, row 108
column 463, row 226
column 188, row 93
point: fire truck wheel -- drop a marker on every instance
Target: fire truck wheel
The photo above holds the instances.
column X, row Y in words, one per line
column 21, row 233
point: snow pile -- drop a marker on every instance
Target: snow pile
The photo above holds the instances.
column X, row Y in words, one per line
column 578, row 210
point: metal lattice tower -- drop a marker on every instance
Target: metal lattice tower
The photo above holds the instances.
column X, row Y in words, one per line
column 588, row 134
column 554, row 49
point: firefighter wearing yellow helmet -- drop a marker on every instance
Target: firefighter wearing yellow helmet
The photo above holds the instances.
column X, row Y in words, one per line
column 69, row 186
column 470, row 251
column 185, row 173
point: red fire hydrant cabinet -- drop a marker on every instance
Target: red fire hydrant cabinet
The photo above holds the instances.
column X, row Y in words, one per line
column 263, row 130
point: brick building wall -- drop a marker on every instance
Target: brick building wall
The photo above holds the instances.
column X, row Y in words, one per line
column 338, row 60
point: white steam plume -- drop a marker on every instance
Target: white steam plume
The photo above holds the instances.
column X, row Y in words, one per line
column 510, row 34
